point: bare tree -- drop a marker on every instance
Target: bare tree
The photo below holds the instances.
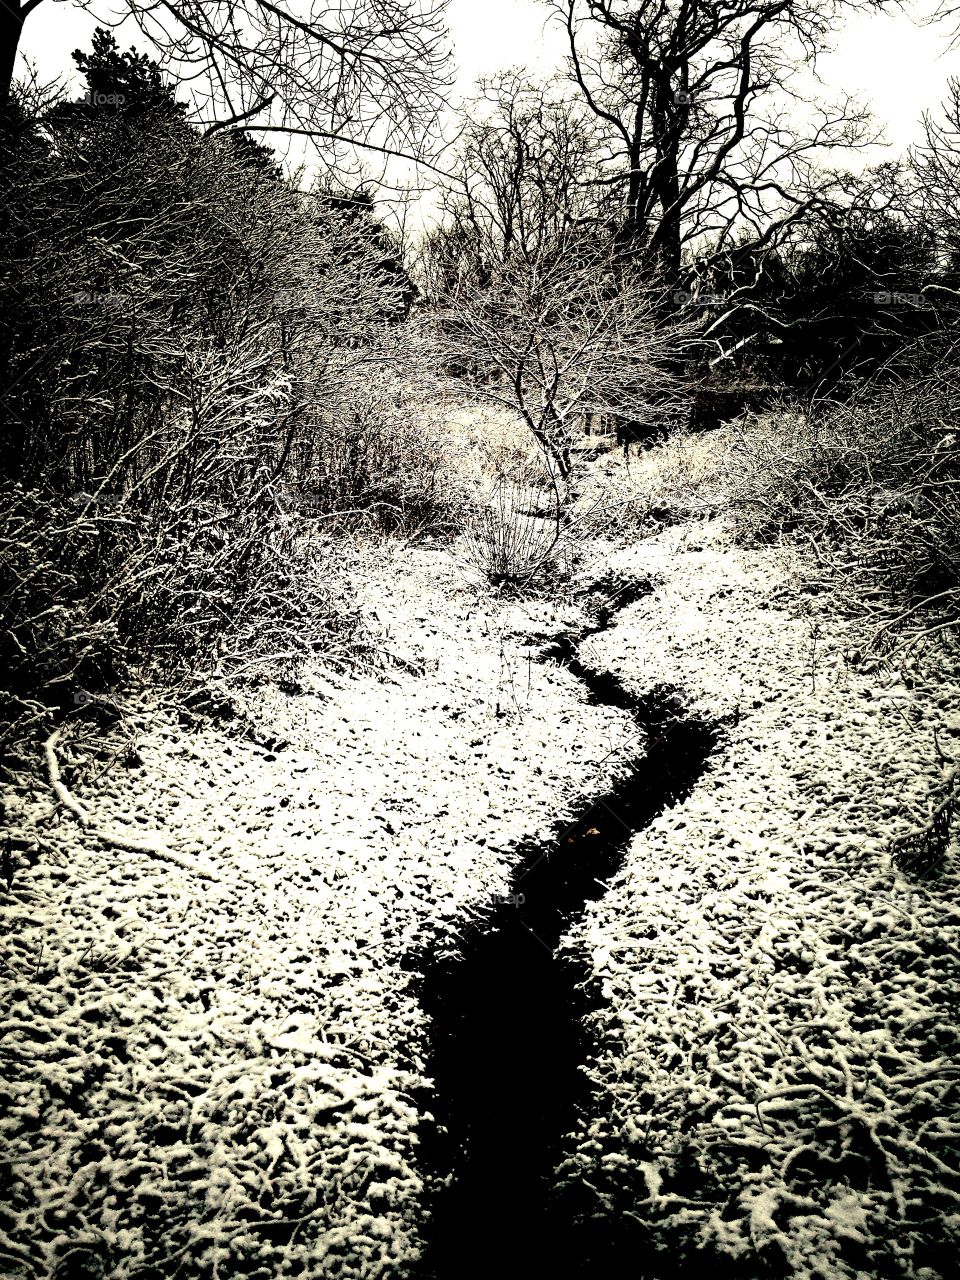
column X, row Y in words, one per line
column 841, row 288
column 36, row 95
column 936, row 166
column 536, row 308
column 365, row 73
column 525, row 169
column 556, row 335
column 694, row 97
column 947, row 11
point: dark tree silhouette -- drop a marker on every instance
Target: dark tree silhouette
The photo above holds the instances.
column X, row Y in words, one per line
column 129, row 89
column 127, row 82
column 844, row 291
column 691, row 99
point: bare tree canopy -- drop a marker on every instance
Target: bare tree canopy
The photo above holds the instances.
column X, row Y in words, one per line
column 555, row 335
column 694, row 97
column 936, row 166
column 366, row 72
column 947, row 11
column 524, row 170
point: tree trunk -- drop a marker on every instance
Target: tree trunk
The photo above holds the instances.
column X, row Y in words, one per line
column 11, row 29
column 668, row 245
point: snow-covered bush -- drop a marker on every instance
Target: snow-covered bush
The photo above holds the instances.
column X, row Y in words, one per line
column 92, row 590
column 510, row 543
column 186, row 396
column 872, row 487
column 684, row 478
column 383, row 458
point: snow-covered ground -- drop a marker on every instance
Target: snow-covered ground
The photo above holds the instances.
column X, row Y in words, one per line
column 210, row 1063
column 213, row 1064
column 778, row 1004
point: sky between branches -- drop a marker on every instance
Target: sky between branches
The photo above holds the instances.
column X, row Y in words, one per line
column 898, row 66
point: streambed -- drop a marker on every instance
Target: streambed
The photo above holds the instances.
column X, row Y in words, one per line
column 508, row 1044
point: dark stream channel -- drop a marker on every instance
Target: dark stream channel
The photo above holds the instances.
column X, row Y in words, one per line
column 508, row 1042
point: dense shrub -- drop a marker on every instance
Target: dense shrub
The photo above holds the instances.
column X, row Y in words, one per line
column 510, row 543
column 385, row 460
column 872, row 487
column 92, row 592
column 203, row 373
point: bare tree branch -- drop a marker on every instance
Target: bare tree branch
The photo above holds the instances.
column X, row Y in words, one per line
column 690, row 97
column 371, row 72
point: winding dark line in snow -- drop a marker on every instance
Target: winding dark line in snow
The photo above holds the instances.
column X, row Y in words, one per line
column 508, row 1043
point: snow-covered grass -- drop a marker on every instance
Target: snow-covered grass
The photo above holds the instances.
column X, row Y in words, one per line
column 777, row 1087
column 214, row 1061
column 869, row 488
column 215, row 1071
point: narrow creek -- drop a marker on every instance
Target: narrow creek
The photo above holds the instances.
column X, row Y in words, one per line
column 508, row 1043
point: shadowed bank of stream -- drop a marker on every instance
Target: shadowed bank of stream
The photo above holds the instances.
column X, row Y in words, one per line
column 507, row 1042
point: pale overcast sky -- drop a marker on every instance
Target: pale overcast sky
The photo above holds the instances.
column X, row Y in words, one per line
column 897, row 66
